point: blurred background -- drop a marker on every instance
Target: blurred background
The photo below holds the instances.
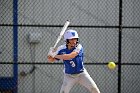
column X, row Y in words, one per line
column 109, row 30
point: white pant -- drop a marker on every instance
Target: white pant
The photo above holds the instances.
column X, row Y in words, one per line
column 82, row 79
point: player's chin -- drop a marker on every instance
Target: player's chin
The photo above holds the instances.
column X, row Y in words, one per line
column 73, row 45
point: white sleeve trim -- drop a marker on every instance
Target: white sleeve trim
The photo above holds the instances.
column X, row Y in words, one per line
column 60, row 48
column 78, row 48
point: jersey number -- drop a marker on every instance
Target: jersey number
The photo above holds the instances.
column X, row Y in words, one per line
column 72, row 64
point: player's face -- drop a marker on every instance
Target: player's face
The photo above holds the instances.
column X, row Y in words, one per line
column 72, row 42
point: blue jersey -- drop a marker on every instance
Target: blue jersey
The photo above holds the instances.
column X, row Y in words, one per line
column 74, row 65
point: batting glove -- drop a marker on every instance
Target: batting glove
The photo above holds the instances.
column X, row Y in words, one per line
column 52, row 52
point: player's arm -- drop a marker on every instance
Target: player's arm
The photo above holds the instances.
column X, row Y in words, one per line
column 51, row 59
column 67, row 56
column 71, row 55
column 52, row 53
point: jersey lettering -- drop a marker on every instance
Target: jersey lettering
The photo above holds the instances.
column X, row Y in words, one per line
column 72, row 64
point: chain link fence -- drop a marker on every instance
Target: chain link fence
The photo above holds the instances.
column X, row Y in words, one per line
column 23, row 62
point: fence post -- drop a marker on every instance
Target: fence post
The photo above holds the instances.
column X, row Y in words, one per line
column 119, row 46
column 15, row 43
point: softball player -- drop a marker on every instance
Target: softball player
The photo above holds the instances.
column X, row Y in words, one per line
column 72, row 55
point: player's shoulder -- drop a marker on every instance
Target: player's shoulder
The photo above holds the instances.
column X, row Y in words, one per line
column 79, row 46
column 62, row 47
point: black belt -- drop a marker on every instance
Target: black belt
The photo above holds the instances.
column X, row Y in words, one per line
column 77, row 72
